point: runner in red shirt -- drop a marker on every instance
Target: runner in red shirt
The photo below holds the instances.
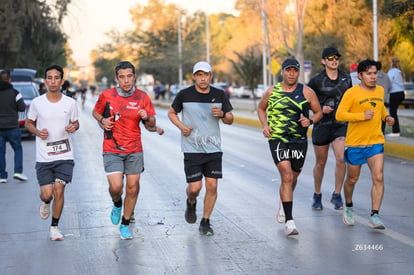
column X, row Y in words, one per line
column 119, row 112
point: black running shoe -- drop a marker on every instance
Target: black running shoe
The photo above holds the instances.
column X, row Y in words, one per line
column 190, row 212
column 205, row 228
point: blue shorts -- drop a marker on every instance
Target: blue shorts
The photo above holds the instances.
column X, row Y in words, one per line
column 359, row 155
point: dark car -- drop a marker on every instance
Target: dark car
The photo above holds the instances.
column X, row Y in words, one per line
column 29, row 91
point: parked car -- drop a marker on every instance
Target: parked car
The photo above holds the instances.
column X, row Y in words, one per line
column 242, row 92
column 259, row 91
column 223, row 86
column 409, row 94
column 22, row 75
column 174, row 89
column 29, row 91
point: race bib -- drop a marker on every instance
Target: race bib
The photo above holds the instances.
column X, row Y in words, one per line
column 58, row 147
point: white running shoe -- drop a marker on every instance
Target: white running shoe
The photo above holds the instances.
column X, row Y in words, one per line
column 55, row 234
column 3, row 180
column 20, row 177
column 44, row 210
column 290, row 228
column 280, row 215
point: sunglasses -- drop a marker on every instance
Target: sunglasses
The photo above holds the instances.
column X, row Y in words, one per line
column 332, row 58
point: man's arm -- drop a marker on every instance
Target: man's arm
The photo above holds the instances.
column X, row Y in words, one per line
column 261, row 112
column 314, row 104
column 173, row 116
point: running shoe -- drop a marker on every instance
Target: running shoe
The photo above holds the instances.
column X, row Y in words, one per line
column 190, row 212
column 116, row 214
column 205, row 228
column 348, row 216
column 375, row 222
column 336, row 200
column 317, row 202
column 20, row 176
column 44, row 210
column 290, row 228
column 3, row 180
column 280, row 215
column 125, row 234
column 132, row 218
column 55, row 234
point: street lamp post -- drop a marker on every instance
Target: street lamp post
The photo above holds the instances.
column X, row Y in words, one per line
column 375, row 25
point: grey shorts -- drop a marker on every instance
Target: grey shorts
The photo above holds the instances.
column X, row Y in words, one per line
column 54, row 171
column 130, row 164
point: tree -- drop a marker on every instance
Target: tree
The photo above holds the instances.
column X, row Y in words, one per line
column 248, row 67
column 31, row 36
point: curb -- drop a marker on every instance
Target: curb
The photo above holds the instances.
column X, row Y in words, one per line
column 393, row 149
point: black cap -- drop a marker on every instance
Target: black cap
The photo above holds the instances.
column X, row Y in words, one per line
column 330, row 51
column 290, row 62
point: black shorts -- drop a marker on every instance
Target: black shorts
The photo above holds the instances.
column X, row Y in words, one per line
column 198, row 164
column 293, row 152
column 54, row 171
column 325, row 134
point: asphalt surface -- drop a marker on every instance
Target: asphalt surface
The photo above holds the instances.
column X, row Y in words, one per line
column 247, row 239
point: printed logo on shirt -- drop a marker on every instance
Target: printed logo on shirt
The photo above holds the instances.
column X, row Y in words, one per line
column 132, row 105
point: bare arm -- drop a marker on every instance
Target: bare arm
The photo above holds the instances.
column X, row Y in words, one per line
column 262, row 113
column 314, row 105
column 173, row 116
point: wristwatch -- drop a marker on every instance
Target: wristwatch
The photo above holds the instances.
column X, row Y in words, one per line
column 310, row 121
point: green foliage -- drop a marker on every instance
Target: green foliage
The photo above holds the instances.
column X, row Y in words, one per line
column 249, row 66
column 31, row 36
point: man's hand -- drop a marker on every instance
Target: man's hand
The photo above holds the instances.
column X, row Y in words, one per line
column 186, row 130
column 368, row 114
column 389, row 120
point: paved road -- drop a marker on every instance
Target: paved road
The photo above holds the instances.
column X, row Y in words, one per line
column 248, row 240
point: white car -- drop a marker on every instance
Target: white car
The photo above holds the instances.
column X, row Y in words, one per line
column 242, row 92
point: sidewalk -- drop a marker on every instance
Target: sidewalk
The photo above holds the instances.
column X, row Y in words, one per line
column 400, row 147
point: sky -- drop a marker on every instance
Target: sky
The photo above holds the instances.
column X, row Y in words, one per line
column 89, row 20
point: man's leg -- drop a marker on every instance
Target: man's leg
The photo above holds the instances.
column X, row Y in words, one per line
column 115, row 181
column 131, row 196
column 338, row 146
column 210, row 197
column 351, row 179
column 16, row 144
column 3, row 173
column 376, row 165
column 58, row 199
column 321, row 155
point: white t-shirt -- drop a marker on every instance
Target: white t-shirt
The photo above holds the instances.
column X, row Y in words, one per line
column 54, row 117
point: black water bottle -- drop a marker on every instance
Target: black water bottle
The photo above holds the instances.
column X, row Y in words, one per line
column 106, row 114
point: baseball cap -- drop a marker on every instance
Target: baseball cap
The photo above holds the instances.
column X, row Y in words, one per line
column 353, row 67
column 202, row 66
column 330, row 51
column 290, row 62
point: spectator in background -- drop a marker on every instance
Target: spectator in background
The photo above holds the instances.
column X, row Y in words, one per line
column 384, row 81
column 11, row 102
column 42, row 88
column 396, row 76
column 354, row 74
column 66, row 89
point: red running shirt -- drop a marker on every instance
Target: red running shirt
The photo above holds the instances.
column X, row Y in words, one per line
column 126, row 131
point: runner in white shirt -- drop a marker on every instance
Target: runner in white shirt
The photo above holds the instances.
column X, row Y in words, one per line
column 52, row 118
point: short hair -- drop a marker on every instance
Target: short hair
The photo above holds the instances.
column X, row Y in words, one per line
column 66, row 85
column 364, row 65
column 124, row 65
column 54, row 67
column 5, row 75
